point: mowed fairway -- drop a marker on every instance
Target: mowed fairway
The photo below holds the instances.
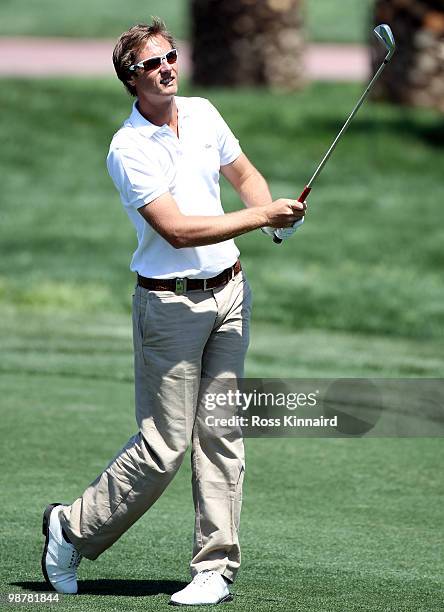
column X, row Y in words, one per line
column 328, row 525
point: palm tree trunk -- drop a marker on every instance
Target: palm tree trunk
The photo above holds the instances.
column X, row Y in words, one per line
column 247, row 42
column 415, row 75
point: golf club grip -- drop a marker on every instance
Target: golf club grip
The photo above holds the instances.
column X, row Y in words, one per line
column 304, row 195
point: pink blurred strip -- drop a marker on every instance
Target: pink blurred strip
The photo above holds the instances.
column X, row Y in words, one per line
column 43, row 57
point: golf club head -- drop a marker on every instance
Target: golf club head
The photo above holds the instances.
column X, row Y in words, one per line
column 385, row 35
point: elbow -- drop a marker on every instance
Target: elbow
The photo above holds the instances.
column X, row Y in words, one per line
column 178, row 240
column 177, row 244
column 179, row 235
column 173, row 234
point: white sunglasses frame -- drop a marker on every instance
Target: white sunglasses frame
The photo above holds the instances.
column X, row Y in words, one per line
column 162, row 58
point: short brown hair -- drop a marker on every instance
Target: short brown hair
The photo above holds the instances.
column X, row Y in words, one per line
column 129, row 43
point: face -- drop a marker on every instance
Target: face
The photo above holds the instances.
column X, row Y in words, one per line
column 161, row 81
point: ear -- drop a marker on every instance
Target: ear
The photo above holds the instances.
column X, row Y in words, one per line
column 132, row 79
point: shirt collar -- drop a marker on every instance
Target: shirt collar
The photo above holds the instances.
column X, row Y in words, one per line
column 137, row 121
column 147, row 128
column 182, row 107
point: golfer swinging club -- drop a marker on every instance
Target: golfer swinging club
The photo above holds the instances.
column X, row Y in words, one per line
column 191, row 311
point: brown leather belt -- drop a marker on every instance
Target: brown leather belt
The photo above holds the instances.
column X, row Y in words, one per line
column 181, row 285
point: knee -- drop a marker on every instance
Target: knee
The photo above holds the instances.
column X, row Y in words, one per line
column 163, row 454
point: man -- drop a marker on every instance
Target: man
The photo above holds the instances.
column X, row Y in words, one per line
column 191, row 311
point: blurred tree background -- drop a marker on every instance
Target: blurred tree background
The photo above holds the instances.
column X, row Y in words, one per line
column 326, row 20
column 244, row 42
column 415, row 75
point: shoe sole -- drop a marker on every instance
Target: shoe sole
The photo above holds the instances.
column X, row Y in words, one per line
column 225, row 599
column 45, row 531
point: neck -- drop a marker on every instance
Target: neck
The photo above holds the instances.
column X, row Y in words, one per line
column 159, row 112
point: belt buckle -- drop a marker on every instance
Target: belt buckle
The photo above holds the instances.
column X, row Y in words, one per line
column 181, row 286
column 205, row 287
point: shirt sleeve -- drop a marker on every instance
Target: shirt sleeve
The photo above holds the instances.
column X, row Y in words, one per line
column 229, row 148
column 138, row 179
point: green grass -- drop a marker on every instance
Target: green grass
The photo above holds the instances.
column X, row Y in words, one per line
column 341, row 21
column 326, row 20
column 66, row 343
column 327, row 524
column 101, row 18
column 368, row 260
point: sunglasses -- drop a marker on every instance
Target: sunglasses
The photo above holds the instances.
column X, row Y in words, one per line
column 155, row 62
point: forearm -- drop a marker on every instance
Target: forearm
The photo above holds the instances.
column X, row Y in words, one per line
column 183, row 231
column 254, row 193
column 194, row 231
column 254, row 190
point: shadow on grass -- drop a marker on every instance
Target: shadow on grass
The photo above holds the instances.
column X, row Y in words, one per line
column 431, row 134
column 123, row 588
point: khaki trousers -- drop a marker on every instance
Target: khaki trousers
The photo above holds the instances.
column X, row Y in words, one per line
column 178, row 341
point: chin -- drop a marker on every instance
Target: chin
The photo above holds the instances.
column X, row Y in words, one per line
column 169, row 91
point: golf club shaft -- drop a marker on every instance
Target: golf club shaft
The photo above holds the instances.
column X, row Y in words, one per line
column 326, row 157
column 346, row 124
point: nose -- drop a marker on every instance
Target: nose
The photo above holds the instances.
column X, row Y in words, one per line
column 164, row 64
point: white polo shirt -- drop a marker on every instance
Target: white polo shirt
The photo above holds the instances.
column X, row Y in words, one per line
column 147, row 160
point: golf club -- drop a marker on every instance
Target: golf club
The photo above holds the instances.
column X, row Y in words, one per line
column 385, row 36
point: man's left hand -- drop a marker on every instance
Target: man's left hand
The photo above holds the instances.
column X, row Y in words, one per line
column 285, row 232
column 282, row 232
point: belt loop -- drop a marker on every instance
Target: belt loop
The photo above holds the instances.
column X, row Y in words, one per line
column 181, row 286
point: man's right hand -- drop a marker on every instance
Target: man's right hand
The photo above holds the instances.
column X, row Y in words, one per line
column 284, row 212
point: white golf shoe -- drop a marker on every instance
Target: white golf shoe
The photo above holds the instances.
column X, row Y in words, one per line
column 60, row 559
column 207, row 587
